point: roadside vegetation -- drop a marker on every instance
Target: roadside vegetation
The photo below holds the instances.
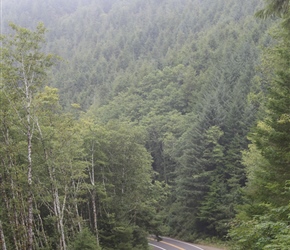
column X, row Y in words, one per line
column 121, row 119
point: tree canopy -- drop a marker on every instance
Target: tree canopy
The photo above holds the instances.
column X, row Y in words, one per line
column 156, row 117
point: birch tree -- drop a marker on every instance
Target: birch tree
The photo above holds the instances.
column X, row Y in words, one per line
column 93, row 141
column 60, row 158
column 24, row 66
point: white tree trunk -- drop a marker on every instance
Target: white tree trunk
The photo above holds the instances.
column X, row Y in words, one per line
column 95, row 216
column 93, row 196
column 29, row 159
column 59, row 212
column 57, row 208
column 2, row 237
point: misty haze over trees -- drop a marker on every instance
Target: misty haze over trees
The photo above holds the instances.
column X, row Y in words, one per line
column 121, row 119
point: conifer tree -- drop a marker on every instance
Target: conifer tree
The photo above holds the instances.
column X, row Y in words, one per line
column 262, row 222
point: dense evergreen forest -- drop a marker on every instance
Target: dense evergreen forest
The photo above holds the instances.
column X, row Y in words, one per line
column 121, row 119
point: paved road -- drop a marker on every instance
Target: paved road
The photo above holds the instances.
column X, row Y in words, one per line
column 171, row 244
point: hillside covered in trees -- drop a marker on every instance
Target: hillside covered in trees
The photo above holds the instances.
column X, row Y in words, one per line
column 121, row 119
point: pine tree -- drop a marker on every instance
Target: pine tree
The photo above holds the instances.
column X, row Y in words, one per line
column 263, row 222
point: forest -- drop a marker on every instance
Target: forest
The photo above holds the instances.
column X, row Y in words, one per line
column 122, row 119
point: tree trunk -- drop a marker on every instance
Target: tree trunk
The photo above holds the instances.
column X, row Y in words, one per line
column 58, row 211
column 10, row 209
column 2, row 238
column 95, row 217
column 43, row 231
column 93, row 196
column 27, row 65
column 29, row 178
column 78, row 217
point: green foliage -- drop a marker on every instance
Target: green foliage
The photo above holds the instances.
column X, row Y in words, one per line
column 166, row 85
column 125, row 196
column 196, row 88
column 63, row 151
column 84, row 240
column 268, row 231
column 277, row 8
column 263, row 222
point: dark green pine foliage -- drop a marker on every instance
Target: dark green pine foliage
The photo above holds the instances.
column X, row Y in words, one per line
column 179, row 70
column 195, row 177
column 108, row 46
column 85, row 240
column 209, row 169
column 272, row 135
column 278, row 9
column 198, row 156
column 263, row 221
column 207, row 89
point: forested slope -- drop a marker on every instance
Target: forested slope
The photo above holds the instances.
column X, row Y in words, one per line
column 164, row 94
column 263, row 220
column 111, row 45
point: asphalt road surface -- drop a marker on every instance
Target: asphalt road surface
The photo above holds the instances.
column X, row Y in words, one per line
column 171, row 244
